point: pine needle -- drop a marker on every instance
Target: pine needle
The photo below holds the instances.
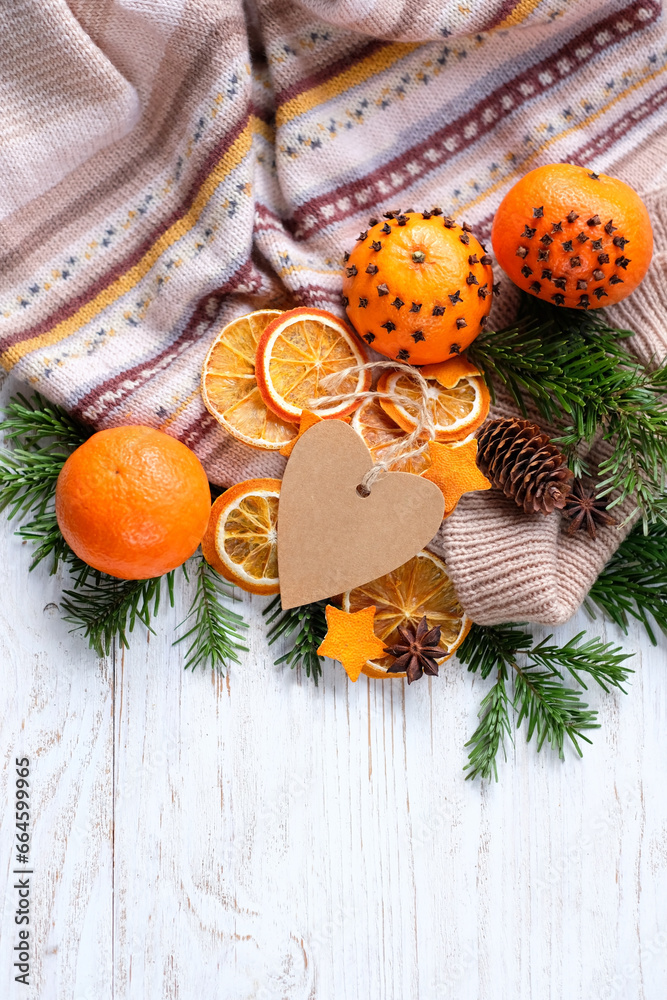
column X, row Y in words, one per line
column 310, row 625
column 44, row 533
column 35, row 422
column 601, row 661
column 581, row 376
column 489, row 737
column 553, row 712
column 28, row 480
column 105, row 608
column 41, row 436
column 633, row 584
column 214, row 634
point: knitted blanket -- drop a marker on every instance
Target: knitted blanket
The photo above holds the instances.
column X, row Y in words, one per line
column 166, row 165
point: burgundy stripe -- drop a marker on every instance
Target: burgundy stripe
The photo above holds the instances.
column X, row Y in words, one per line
column 329, row 71
column 367, row 192
column 71, row 306
column 141, row 373
column 131, row 157
column 195, row 432
column 599, row 144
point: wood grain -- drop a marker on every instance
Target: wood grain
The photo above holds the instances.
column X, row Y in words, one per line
column 198, row 837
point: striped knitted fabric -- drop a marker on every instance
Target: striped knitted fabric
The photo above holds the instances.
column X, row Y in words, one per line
column 167, row 165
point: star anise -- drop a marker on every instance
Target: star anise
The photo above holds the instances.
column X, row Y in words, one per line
column 417, row 653
column 585, row 511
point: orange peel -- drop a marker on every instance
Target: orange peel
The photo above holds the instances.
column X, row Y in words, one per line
column 454, row 471
column 350, row 639
column 308, row 420
column 419, row 587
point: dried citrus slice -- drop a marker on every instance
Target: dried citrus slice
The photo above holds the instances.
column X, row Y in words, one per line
column 457, row 409
column 296, row 351
column 241, row 538
column 419, row 587
column 229, row 387
column 378, row 431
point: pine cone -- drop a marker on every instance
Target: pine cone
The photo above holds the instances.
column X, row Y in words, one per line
column 520, row 460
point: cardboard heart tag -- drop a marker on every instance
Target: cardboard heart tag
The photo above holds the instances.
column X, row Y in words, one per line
column 331, row 539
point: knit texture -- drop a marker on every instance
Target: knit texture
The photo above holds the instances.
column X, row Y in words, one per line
column 170, row 164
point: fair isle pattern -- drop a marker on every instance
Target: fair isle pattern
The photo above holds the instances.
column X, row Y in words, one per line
column 258, row 153
column 459, row 136
column 135, row 320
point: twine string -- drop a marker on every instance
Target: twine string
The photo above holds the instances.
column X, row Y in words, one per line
column 414, row 443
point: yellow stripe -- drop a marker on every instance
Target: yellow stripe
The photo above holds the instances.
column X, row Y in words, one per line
column 519, row 14
column 127, row 281
column 351, row 77
column 180, row 409
column 557, row 138
column 372, row 65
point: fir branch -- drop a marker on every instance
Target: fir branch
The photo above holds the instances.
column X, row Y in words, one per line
column 486, row 647
column 103, row 608
column 580, row 375
column 634, row 582
column 106, row 608
column 310, row 625
column 42, row 436
column 31, row 422
column 604, row 663
column 553, row 712
column 43, row 531
column 489, row 736
column 28, row 480
column 215, row 634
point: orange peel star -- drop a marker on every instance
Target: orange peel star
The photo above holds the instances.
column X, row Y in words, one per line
column 454, row 471
column 449, row 373
column 350, row 639
column 308, row 420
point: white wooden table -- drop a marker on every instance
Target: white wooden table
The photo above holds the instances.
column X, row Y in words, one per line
column 207, row 838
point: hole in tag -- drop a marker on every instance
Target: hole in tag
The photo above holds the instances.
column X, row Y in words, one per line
column 363, row 491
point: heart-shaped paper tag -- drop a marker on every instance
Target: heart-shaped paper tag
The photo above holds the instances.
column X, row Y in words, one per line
column 331, row 539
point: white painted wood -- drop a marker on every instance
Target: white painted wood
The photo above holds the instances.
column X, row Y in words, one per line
column 56, row 707
column 257, row 837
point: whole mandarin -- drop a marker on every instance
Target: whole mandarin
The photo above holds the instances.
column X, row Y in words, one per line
column 133, row 502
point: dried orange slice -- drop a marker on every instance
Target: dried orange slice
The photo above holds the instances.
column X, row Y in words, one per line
column 457, row 408
column 378, row 431
column 419, row 587
column 241, row 538
column 296, row 351
column 229, row 387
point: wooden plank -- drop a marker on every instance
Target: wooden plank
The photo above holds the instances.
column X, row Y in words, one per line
column 203, row 792
column 56, row 707
column 271, row 839
column 292, row 841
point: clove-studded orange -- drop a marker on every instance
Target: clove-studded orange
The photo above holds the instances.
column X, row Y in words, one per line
column 573, row 237
column 417, row 286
